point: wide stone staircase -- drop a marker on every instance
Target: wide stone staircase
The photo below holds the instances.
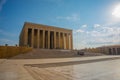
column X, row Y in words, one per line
column 53, row 53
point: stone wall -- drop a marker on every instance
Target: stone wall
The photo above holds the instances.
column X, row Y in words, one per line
column 110, row 50
column 10, row 51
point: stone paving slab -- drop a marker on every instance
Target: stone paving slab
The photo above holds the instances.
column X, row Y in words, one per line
column 2, row 61
column 15, row 69
column 106, row 70
column 54, row 60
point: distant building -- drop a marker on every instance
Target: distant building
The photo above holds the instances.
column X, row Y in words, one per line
column 46, row 37
column 111, row 50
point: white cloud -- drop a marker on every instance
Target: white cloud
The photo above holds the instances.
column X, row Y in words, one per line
column 80, row 30
column 6, row 41
column 100, row 35
column 73, row 17
column 87, row 32
column 4, row 33
column 105, row 41
column 96, row 25
column 84, row 26
column 2, row 2
column 105, row 34
column 104, row 31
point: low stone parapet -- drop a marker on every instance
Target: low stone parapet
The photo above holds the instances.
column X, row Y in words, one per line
column 10, row 51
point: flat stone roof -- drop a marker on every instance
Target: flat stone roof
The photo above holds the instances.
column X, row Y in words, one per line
column 110, row 46
column 46, row 26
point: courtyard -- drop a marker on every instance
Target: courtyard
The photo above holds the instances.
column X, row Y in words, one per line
column 80, row 68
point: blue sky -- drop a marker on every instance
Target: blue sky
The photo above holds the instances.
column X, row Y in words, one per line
column 94, row 22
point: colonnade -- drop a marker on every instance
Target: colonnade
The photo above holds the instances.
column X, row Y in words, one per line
column 48, row 39
column 114, row 51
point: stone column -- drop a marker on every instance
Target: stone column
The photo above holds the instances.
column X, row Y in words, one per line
column 64, row 41
column 43, row 38
column 54, row 39
column 112, row 52
column 116, row 51
column 26, row 37
column 48, row 39
column 32, row 41
column 69, row 41
column 38, row 38
column 59, row 39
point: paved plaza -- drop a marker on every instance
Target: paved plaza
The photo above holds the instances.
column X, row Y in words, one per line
column 83, row 68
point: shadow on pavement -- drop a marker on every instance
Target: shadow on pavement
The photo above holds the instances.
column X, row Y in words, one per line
column 47, row 65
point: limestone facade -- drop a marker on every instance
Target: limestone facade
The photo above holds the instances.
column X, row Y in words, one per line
column 112, row 50
column 46, row 37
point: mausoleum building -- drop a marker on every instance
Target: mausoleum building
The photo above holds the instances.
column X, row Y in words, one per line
column 46, row 37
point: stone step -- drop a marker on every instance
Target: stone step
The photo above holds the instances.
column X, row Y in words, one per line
column 47, row 53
